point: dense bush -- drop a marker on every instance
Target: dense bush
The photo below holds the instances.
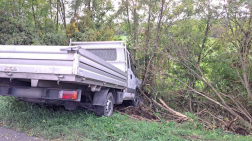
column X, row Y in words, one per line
column 21, row 31
column 14, row 31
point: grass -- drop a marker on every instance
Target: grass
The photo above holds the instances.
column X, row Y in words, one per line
column 83, row 125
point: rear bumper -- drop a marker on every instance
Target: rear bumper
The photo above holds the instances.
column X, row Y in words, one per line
column 35, row 93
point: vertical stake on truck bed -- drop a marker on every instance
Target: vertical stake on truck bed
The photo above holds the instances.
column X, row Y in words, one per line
column 70, row 44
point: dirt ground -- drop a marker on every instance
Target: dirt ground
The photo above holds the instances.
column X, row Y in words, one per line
column 135, row 111
column 11, row 135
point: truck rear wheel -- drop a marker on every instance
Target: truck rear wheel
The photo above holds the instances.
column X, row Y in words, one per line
column 106, row 110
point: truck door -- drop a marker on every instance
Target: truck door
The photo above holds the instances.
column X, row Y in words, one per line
column 131, row 76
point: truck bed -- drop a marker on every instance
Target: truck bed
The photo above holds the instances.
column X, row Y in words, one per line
column 59, row 63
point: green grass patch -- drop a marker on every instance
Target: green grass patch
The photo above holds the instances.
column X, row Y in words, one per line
column 83, row 125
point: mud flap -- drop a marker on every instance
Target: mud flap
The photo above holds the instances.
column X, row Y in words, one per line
column 100, row 97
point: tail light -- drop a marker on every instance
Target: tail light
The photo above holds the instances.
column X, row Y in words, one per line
column 73, row 95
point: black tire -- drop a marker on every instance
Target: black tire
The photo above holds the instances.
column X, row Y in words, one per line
column 106, row 110
column 136, row 101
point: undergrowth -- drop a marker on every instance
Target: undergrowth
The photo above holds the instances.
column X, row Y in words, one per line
column 80, row 124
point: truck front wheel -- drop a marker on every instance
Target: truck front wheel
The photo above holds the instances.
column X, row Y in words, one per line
column 106, row 110
column 136, row 101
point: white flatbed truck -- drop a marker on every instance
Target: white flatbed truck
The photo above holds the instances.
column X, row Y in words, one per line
column 95, row 75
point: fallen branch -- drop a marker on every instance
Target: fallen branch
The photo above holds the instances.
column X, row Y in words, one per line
column 171, row 110
column 216, row 118
column 200, row 112
column 145, row 95
column 168, row 109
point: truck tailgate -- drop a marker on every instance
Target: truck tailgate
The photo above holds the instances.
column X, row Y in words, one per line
column 34, row 60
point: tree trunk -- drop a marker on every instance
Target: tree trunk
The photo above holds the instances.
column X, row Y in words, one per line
column 204, row 40
column 89, row 5
column 63, row 13
column 156, row 44
column 51, row 8
column 57, row 16
column 14, row 8
column 245, row 77
column 147, row 42
column 127, row 7
column 135, row 22
column 33, row 13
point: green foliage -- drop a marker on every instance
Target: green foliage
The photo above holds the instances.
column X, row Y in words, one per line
column 28, row 23
column 23, row 32
column 14, row 31
column 94, row 25
column 54, row 39
column 82, row 125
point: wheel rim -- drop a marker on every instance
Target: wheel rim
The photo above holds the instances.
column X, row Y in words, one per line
column 136, row 102
column 109, row 107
